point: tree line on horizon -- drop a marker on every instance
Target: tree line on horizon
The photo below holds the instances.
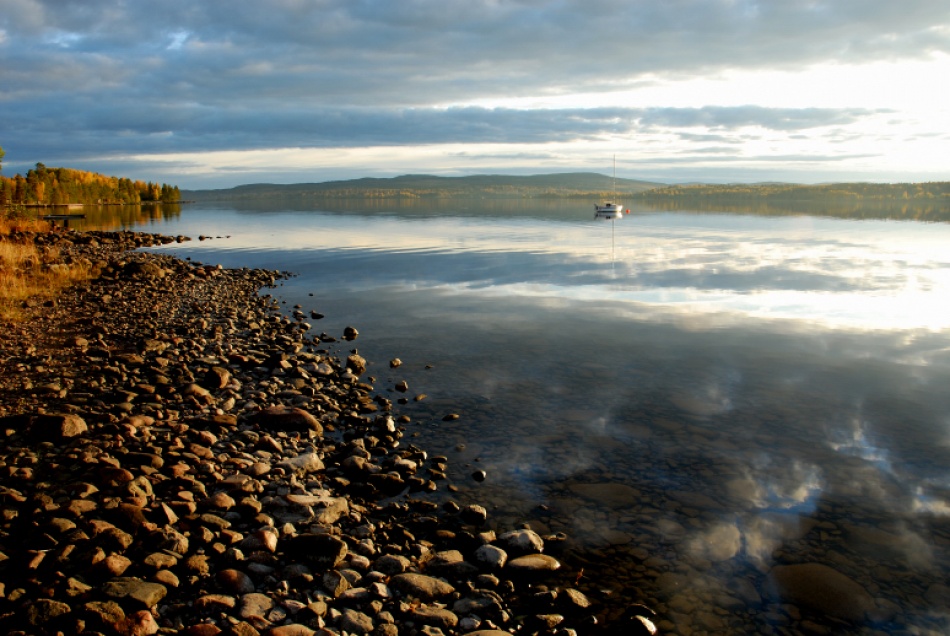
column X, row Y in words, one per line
column 64, row 186
column 930, row 192
column 580, row 185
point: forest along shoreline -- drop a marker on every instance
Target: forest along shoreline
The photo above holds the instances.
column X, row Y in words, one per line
column 178, row 455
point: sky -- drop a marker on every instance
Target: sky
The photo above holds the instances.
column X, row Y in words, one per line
column 213, row 94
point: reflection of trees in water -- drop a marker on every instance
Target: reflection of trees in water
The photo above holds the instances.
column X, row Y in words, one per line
column 862, row 210
column 114, row 217
column 910, row 201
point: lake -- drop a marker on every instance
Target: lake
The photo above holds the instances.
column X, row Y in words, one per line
column 741, row 421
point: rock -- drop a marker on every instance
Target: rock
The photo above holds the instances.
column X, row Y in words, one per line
column 425, row 588
column 391, row 564
column 522, row 541
column 822, row 589
column 356, row 363
column 216, row 378
column 58, row 427
column 167, row 538
column 474, row 514
column 202, row 629
column 235, row 581
column 43, row 610
column 134, row 589
column 533, row 563
column 322, row 551
column 492, row 557
column 350, row 333
column 437, row 616
column 291, row 629
column 103, row 612
column 140, row 623
column 281, row 418
column 335, row 583
column 255, row 604
column 356, row 622
column 303, row 464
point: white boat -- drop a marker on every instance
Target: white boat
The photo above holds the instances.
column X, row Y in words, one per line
column 609, row 211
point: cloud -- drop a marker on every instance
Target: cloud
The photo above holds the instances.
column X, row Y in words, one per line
column 104, row 78
column 128, row 126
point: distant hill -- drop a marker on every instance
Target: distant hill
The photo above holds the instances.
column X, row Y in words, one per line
column 422, row 185
column 931, row 192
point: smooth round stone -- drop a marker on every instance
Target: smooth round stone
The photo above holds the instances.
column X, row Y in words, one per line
column 491, row 556
column 822, row 589
column 534, row 563
column 424, row 587
column 235, row 581
column 523, row 541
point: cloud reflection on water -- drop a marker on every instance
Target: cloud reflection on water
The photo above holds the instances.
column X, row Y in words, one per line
column 756, row 387
column 888, row 277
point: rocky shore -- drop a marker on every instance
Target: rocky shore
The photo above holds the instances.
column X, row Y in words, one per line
column 181, row 456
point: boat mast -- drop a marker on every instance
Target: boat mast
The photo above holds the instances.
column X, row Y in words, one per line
column 613, row 192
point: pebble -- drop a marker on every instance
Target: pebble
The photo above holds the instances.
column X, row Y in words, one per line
column 209, row 468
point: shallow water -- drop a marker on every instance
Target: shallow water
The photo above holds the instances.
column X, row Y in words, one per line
column 693, row 398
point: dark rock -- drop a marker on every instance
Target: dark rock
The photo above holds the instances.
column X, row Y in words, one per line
column 322, row 551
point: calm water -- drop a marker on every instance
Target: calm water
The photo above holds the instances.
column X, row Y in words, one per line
column 694, row 399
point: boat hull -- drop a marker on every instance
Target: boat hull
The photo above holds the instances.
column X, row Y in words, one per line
column 608, row 211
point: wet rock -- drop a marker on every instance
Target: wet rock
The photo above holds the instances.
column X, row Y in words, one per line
column 822, row 589
column 474, row 514
column 356, row 363
column 533, row 564
column 522, row 541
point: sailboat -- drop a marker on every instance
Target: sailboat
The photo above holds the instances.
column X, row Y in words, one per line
column 610, row 211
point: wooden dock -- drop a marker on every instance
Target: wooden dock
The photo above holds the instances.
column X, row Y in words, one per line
column 65, row 218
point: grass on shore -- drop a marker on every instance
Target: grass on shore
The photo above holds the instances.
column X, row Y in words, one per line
column 29, row 273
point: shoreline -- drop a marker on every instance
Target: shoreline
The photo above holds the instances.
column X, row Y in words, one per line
column 181, row 456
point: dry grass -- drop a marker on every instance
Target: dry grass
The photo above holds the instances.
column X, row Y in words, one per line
column 21, row 224
column 30, row 274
